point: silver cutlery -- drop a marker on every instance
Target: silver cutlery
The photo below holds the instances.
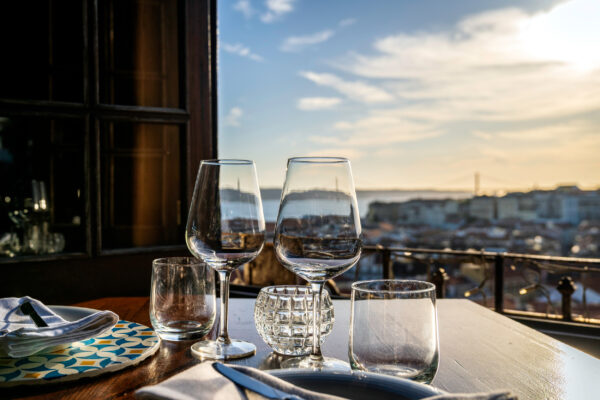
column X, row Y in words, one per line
column 252, row 384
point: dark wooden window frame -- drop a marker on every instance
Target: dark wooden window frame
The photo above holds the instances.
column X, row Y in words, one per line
column 29, row 275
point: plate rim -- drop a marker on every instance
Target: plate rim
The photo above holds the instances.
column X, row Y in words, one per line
column 356, row 376
column 60, row 310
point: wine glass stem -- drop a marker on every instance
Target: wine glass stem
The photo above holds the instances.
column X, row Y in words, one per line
column 224, row 282
column 317, row 290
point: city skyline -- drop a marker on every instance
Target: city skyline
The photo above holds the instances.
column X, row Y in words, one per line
column 490, row 191
column 418, row 95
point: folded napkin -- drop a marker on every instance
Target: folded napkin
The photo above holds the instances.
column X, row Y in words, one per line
column 203, row 382
column 20, row 337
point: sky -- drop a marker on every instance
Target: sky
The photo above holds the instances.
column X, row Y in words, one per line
column 417, row 94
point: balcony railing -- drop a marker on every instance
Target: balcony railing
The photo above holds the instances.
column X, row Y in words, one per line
column 559, row 296
column 502, row 276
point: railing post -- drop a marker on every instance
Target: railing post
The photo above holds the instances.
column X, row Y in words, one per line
column 439, row 279
column 499, row 283
column 386, row 261
column 566, row 287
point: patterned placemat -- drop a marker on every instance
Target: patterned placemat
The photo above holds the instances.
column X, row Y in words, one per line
column 126, row 344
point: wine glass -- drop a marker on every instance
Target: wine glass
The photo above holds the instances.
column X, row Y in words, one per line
column 318, row 234
column 225, row 229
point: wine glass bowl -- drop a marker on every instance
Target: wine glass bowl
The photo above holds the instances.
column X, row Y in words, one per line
column 225, row 229
column 318, row 232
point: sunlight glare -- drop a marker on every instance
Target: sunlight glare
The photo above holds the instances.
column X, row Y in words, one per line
column 569, row 33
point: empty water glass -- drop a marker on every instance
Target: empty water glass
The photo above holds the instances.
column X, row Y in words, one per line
column 393, row 329
column 283, row 316
column 182, row 298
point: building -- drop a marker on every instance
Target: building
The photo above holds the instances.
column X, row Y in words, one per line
column 589, row 206
column 564, row 205
column 507, row 207
column 483, row 207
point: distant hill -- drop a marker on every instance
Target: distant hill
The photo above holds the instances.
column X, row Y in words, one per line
column 275, row 193
column 414, row 193
column 270, row 193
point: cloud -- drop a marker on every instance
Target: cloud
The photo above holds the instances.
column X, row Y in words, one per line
column 499, row 65
column 566, row 34
column 482, row 135
column 346, row 22
column 544, row 162
column 355, row 90
column 484, row 41
column 241, row 51
column 234, row 116
column 386, row 152
column 276, row 9
column 347, row 152
column 379, row 128
column 244, row 7
column 545, row 154
column 535, row 113
column 506, row 92
column 297, row 43
column 495, row 154
column 318, row 103
column 556, row 134
column 544, row 133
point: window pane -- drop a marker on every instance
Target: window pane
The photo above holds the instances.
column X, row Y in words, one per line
column 42, row 51
column 139, row 53
column 42, row 191
column 141, row 185
column 472, row 127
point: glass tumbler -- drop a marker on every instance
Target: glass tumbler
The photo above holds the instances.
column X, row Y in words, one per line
column 182, row 298
column 393, row 329
column 283, row 317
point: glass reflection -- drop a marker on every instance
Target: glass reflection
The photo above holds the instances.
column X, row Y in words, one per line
column 41, row 170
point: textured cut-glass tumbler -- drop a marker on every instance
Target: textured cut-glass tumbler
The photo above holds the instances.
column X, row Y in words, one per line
column 182, row 298
column 393, row 329
column 283, row 318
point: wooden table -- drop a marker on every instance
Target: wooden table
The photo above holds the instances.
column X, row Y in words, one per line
column 480, row 350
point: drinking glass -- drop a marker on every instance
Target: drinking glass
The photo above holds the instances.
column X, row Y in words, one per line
column 182, row 298
column 318, row 234
column 225, row 229
column 393, row 329
column 283, row 318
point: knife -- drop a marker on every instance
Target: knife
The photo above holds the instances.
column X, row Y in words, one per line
column 252, row 384
column 27, row 309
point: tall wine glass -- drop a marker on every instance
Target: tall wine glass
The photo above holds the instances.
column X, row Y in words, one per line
column 318, row 233
column 226, row 229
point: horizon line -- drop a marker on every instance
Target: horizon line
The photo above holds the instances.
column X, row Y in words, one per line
column 464, row 190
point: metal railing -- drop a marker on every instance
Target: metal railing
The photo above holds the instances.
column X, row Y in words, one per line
column 436, row 261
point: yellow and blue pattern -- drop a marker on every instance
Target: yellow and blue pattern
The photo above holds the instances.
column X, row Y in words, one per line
column 126, row 344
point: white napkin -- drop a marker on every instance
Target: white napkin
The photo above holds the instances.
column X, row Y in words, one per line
column 203, row 382
column 20, row 337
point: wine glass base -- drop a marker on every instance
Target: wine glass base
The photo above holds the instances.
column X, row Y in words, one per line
column 215, row 350
column 323, row 364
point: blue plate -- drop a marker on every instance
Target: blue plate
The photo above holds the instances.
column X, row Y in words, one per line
column 356, row 385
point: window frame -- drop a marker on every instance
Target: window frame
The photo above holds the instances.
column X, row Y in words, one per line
column 196, row 117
